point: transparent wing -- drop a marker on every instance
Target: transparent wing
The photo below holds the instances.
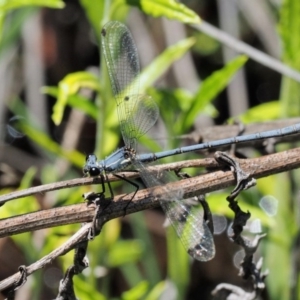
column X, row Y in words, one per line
column 137, row 113
column 186, row 217
column 190, row 226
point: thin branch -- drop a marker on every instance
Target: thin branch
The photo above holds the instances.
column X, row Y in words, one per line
column 79, row 236
column 206, row 162
column 144, row 199
column 242, row 47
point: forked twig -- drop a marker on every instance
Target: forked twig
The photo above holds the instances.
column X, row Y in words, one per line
column 202, row 184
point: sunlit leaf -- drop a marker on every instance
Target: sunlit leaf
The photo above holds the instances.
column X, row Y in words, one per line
column 25, row 204
column 7, row 5
column 212, row 86
column 170, row 9
column 156, row 291
column 137, row 292
column 13, row 4
column 95, row 12
column 69, row 86
column 84, row 289
column 260, row 113
column 75, row 100
column 289, row 28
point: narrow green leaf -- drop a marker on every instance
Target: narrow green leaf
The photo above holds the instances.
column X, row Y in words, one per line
column 69, row 86
column 119, row 10
column 100, row 12
column 157, row 291
column 132, row 273
column 289, row 28
column 76, row 101
column 178, row 259
column 26, row 124
column 84, row 289
column 137, row 292
column 212, row 86
column 281, row 239
column 28, row 178
column 13, row 4
column 2, row 17
column 289, row 98
column 152, row 72
column 44, row 141
column 260, row 113
column 148, row 263
column 170, row 9
column 95, row 12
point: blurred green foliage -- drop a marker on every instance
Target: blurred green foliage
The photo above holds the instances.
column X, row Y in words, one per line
column 135, row 258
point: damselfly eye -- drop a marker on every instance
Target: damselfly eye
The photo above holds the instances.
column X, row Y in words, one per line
column 94, row 172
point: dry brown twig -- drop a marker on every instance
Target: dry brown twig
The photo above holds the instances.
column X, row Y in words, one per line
column 202, row 184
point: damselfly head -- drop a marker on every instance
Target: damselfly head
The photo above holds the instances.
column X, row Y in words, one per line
column 92, row 167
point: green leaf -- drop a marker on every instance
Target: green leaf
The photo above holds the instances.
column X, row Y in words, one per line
column 157, row 291
column 25, row 204
column 69, row 86
column 118, row 11
column 260, row 113
column 100, row 12
column 212, row 86
column 137, row 292
column 84, row 289
column 205, row 45
column 181, row 101
column 13, row 4
column 28, row 178
column 152, row 72
column 76, row 101
column 289, row 28
column 8, row 5
column 124, row 252
column 289, row 98
column 95, row 12
column 44, row 141
column 178, row 259
column 166, row 8
column 148, row 263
